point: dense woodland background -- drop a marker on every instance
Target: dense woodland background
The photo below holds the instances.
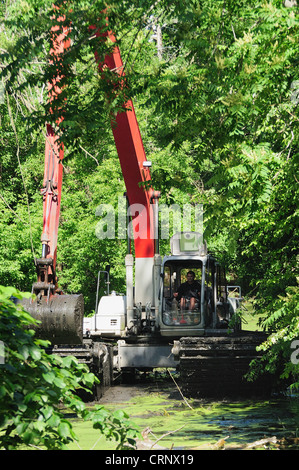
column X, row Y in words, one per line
column 215, row 87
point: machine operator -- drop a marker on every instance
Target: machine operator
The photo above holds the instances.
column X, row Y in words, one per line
column 188, row 292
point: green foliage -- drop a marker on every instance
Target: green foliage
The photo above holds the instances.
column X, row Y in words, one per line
column 33, row 383
column 217, row 108
column 114, row 425
column 284, row 324
column 36, row 388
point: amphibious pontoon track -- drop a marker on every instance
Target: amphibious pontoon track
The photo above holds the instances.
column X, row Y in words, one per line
column 215, row 366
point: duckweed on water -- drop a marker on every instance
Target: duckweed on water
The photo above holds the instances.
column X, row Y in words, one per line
column 237, row 423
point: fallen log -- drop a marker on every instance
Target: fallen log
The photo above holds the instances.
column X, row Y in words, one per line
column 262, row 442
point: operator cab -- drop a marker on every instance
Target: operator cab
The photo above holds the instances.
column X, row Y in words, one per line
column 211, row 309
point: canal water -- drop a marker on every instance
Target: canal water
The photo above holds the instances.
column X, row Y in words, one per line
column 174, row 422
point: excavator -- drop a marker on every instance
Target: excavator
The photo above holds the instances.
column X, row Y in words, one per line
column 146, row 328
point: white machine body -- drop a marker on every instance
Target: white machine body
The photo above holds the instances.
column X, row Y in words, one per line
column 110, row 319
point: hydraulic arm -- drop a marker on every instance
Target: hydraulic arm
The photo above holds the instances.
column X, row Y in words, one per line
column 53, row 172
column 134, row 164
column 142, row 199
column 61, row 316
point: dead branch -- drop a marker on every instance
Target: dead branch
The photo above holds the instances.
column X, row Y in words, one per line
column 180, row 391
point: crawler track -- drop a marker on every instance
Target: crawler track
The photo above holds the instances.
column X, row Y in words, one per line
column 98, row 357
column 215, row 366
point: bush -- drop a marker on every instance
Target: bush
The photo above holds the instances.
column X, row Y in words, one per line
column 36, row 386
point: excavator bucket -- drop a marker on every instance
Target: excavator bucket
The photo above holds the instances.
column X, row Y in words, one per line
column 60, row 317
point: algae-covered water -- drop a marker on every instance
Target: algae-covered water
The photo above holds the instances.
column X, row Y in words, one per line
column 198, row 424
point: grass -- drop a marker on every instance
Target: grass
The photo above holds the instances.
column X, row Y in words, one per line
column 250, row 320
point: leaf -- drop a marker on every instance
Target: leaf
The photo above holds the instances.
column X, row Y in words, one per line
column 35, row 353
column 20, row 429
column 47, row 412
column 49, row 376
column 54, row 420
column 59, row 383
column 24, row 351
column 89, row 379
column 64, row 430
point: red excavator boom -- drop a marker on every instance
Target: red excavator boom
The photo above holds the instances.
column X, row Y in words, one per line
column 133, row 162
column 60, row 316
column 142, row 198
column 51, row 192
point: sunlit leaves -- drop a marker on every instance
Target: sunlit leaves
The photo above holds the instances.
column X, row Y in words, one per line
column 34, row 385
